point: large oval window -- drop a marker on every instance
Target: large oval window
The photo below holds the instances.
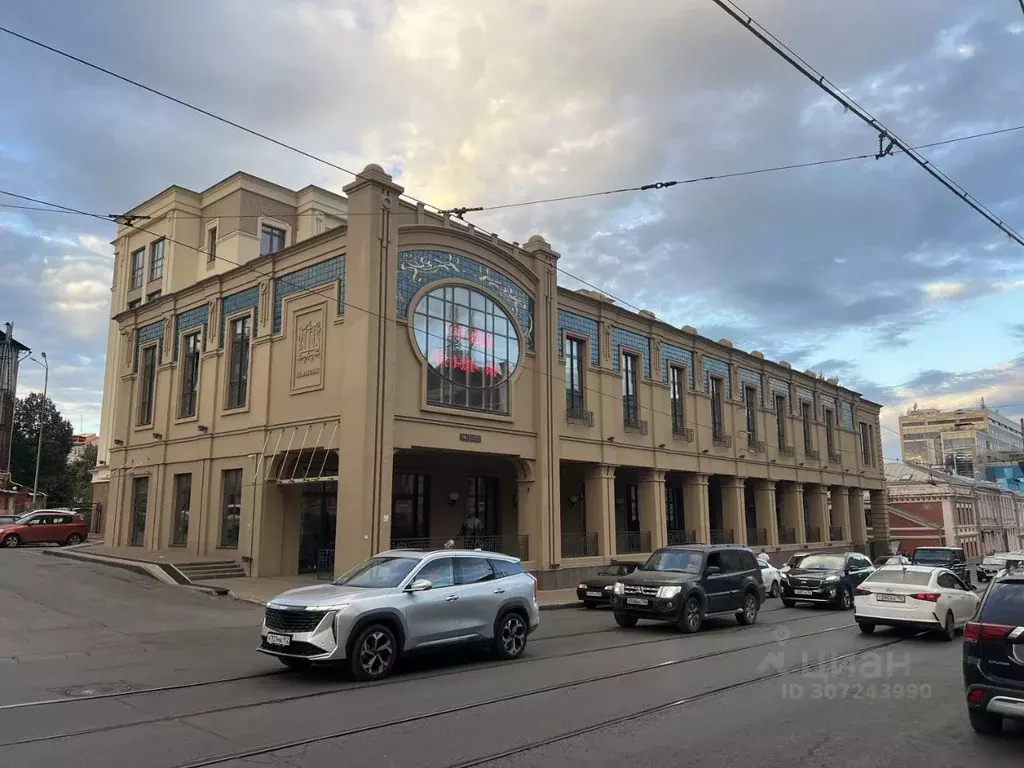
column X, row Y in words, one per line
column 471, row 347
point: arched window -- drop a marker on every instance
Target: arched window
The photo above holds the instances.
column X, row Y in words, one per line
column 471, row 347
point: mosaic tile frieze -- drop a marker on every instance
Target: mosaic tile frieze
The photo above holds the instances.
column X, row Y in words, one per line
column 780, row 387
column 751, row 379
column 847, row 411
column 719, row 369
column 805, row 395
column 631, row 341
column 236, row 302
column 417, row 268
column 307, row 278
column 828, row 403
column 580, row 325
column 147, row 334
column 190, row 318
column 673, row 354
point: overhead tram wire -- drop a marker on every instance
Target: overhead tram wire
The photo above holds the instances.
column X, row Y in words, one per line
column 319, row 291
column 745, row 20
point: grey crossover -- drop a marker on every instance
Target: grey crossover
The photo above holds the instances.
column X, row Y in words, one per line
column 402, row 601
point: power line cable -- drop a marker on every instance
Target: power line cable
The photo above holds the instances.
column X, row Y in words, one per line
column 318, row 291
column 884, row 134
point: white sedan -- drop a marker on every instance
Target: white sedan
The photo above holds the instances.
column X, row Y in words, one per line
column 914, row 596
column 770, row 576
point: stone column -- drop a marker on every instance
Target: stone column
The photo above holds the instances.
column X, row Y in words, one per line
column 880, row 530
column 793, row 510
column 841, row 510
column 733, row 509
column 599, row 497
column 652, row 506
column 366, row 391
column 858, row 523
column 764, row 509
column 819, row 510
column 530, row 513
column 697, row 507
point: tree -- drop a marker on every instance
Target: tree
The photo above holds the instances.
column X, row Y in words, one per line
column 81, row 478
column 54, row 478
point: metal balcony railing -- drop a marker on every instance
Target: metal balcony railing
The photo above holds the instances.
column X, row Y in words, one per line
column 755, row 446
column 722, row 536
column 835, row 458
column 632, row 542
column 722, row 441
column 682, row 537
column 835, row 533
column 812, row 533
column 631, row 421
column 785, row 450
column 757, row 537
column 325, row 565
column 811, row 453
column 787, row 535
column 579, row 544
column 575, row 412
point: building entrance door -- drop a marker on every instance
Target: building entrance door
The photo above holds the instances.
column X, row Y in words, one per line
column 318, row 516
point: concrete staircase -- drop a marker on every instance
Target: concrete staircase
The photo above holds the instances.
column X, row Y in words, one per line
column 219, row 569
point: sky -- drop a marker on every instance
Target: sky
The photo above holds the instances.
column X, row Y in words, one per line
column 867, row 270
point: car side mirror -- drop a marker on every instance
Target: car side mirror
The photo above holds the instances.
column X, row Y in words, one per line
column 713, row 570
column 420, row 585
column 972, row 587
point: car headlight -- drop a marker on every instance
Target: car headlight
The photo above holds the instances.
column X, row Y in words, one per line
column 668, row 592
column 617, row 589
column 582, row 586
column 783, row 575
column 608, row 587
column 339, row 608
column 831, row 579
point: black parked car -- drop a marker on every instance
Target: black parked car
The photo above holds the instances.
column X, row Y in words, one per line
column 994, row 656
column 687, row 584
column 826, row 578
column 952, row 558
column 597, row 590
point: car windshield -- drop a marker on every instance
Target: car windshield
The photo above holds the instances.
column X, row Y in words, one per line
column 894, row 560
column 24, row 518
column 1005, row 604
column 613, row 570
column 901, row 576
column 994, row 561
column 933, row 555
column 795, row 560
column 822, row 562
column 675, row 560
column 379, row 573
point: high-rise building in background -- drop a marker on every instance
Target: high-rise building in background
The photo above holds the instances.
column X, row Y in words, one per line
column 969, row 442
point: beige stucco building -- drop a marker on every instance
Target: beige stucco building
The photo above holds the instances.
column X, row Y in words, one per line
column 344, row 374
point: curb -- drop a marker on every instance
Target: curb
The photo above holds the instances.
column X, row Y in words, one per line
column 165, row 575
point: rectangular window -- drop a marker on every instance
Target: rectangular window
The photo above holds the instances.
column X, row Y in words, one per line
column 750, row 397
column 805, row 414
column 182, row 505
column 190, row 349
column 156, row 259
column 865, row 443
column 153, row 296
column 676, row 382
column 140, row 505
column 211, row 245
column 830, row 438
column 630, row 403
column 231, row 511
column 238, row 372
column 134, row 303
column 717, row 418
column 147, row 385
column 574, row 399
column 780, row 419
column 138, row 268
column 271, row 239
column 482, row 516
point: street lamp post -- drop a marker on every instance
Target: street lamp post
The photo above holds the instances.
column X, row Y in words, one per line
column 39, row 444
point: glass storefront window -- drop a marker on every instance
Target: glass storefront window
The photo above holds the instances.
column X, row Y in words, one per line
column 471, row 346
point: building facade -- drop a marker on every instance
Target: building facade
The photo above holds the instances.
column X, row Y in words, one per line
column 964, row 442
column 11, row 352
column 81, row 443
column 981, row 517
column 401, row 379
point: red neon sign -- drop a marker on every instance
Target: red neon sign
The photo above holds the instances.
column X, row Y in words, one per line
column 465, row 364
column 474, row 336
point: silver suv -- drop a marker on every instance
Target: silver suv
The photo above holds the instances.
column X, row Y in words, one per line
column 401, row 601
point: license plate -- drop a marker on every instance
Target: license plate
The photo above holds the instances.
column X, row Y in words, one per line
column 635, row 601
column 282, row 641
column 595, row 594
column 891, row 598
column 802, row 592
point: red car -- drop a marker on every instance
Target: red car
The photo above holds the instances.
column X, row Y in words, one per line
column 44, row 526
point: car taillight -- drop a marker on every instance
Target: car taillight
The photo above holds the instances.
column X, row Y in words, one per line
column 862, row 591
column 931, row 597
column 976, row 632
column 976, row 696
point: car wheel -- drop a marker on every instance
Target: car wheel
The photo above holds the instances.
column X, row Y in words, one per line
column 866, row 627
column 983, row 722
column 625, row 621
column 510, row 636
column 374, row 653
column 296, row 664
column 72, row 540
column 775, row 589
column 748, row 613
column 949, row 627
column 12, row 540
column 788, row 603
column 844, row 601
column 691, row 616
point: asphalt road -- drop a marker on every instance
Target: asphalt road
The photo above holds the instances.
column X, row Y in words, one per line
column 82, row 644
